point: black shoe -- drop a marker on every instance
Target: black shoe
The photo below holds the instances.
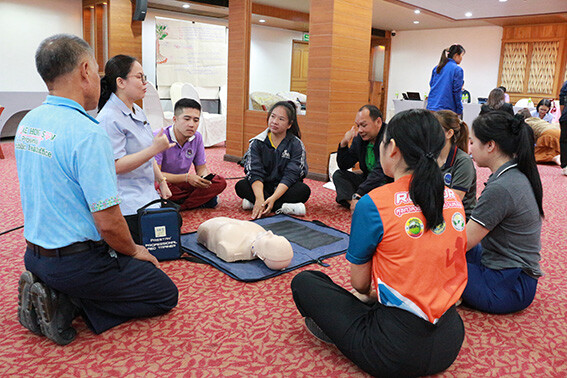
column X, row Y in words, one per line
column 26, row 311
column 210, row 204
column 316, row 331
column 55, row 313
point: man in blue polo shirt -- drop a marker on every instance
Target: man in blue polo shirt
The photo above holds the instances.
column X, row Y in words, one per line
column 80, row 255
column 190, row 190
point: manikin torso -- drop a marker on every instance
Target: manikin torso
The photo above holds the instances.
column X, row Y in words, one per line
column 235, row 240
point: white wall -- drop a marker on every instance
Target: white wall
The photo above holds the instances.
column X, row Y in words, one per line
column 23, row 25
column 270, row 58
column 415, row 53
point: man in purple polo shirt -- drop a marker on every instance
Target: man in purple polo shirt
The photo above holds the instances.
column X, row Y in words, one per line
column 190, row 190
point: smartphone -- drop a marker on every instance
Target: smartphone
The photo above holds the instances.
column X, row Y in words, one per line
column 209, row 176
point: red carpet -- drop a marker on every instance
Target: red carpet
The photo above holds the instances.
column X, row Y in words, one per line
column 223, row 327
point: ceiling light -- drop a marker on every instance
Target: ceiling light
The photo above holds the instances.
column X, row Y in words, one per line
column 416, row 22
column 186, row 6
column 417, row 11
column 468, row 14
column 503, row 1
column 261, row 20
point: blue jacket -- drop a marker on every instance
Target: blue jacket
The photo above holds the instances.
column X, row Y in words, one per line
column 287, row 164
column 446, row 88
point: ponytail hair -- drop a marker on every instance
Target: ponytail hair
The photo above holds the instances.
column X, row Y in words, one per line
column 420, row 138
column 290, row 110
column 450, row 121
column 117, row 66
column 516, row 140
column 449, row 53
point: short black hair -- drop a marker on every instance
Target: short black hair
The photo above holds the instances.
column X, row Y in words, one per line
column 185, row 103
column 375, row 113
column 60, row 54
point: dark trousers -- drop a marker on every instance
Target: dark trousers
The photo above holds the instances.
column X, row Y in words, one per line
column 110, row 288
column 346, row 184
column 381, row 340
column 563, row 143
column 500, row 291
column 190, row 197
column 298, row 192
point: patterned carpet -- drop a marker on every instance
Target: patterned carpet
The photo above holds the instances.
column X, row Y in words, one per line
column 223, row 327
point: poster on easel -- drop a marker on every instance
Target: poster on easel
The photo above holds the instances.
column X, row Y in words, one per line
column 191, row 52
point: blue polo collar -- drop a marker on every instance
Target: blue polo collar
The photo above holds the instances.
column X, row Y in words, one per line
column 63, row 101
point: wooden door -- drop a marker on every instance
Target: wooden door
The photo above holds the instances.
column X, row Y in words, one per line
column 299, row 65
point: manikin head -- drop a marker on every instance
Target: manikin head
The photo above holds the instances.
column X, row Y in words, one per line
column 275, row 251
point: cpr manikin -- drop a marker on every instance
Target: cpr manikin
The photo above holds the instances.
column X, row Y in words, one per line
column 234, row 240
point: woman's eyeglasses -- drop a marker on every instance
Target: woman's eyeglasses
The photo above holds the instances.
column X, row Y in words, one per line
column 143, row 78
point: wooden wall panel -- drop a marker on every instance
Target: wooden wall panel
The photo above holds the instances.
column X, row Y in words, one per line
column 339, row 54
column 124, row 34
column 554, row 36
column 240, row 14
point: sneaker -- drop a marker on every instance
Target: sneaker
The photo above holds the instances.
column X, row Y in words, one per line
column 55, row 313
column 564, row 171
column 314, row 329
column 292, row 209
column 247, row 205
column 26, row 312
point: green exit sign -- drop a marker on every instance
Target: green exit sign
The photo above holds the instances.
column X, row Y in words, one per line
column 306, row 37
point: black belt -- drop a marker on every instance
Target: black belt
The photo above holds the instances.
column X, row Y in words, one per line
column 78, row 247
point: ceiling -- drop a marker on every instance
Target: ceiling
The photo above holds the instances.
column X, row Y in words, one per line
column 400, row 15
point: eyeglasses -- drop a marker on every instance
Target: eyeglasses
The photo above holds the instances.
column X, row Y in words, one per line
column 144, row 78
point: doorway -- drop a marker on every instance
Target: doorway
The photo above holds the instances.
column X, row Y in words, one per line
column 299, row 65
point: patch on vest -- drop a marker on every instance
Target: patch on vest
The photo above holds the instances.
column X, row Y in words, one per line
column 458, row 222
column 414, row 227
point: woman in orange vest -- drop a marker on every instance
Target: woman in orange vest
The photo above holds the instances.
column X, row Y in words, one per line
column 407, row 264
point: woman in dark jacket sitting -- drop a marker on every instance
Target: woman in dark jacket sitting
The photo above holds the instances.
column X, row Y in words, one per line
column 496, row 103
column 275, row 166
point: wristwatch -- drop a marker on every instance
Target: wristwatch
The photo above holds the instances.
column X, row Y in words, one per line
column 356, row 197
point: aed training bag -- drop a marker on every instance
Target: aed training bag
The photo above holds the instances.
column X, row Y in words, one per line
column 160, row 229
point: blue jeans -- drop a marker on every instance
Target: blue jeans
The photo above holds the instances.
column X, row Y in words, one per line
column 109, row 288
column 496, row 291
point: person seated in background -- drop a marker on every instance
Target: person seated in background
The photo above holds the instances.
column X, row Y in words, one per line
column 504, row 232
column 275, row 166
column 496, row 102
column 190, row 190
column 456, row 164
column 547, row 136
column 506, row 96
column 542, row 110
column 238, row 240
column 364, row 139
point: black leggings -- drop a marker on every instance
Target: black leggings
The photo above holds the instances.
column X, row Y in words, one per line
column 298, row 192
column 381, row 340
column 563, row 143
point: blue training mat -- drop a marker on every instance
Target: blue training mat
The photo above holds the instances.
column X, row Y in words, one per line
column 256, row 270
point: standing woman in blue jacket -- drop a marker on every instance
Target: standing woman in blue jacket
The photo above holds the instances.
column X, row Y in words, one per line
column 447, row 80
column 275, row 165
